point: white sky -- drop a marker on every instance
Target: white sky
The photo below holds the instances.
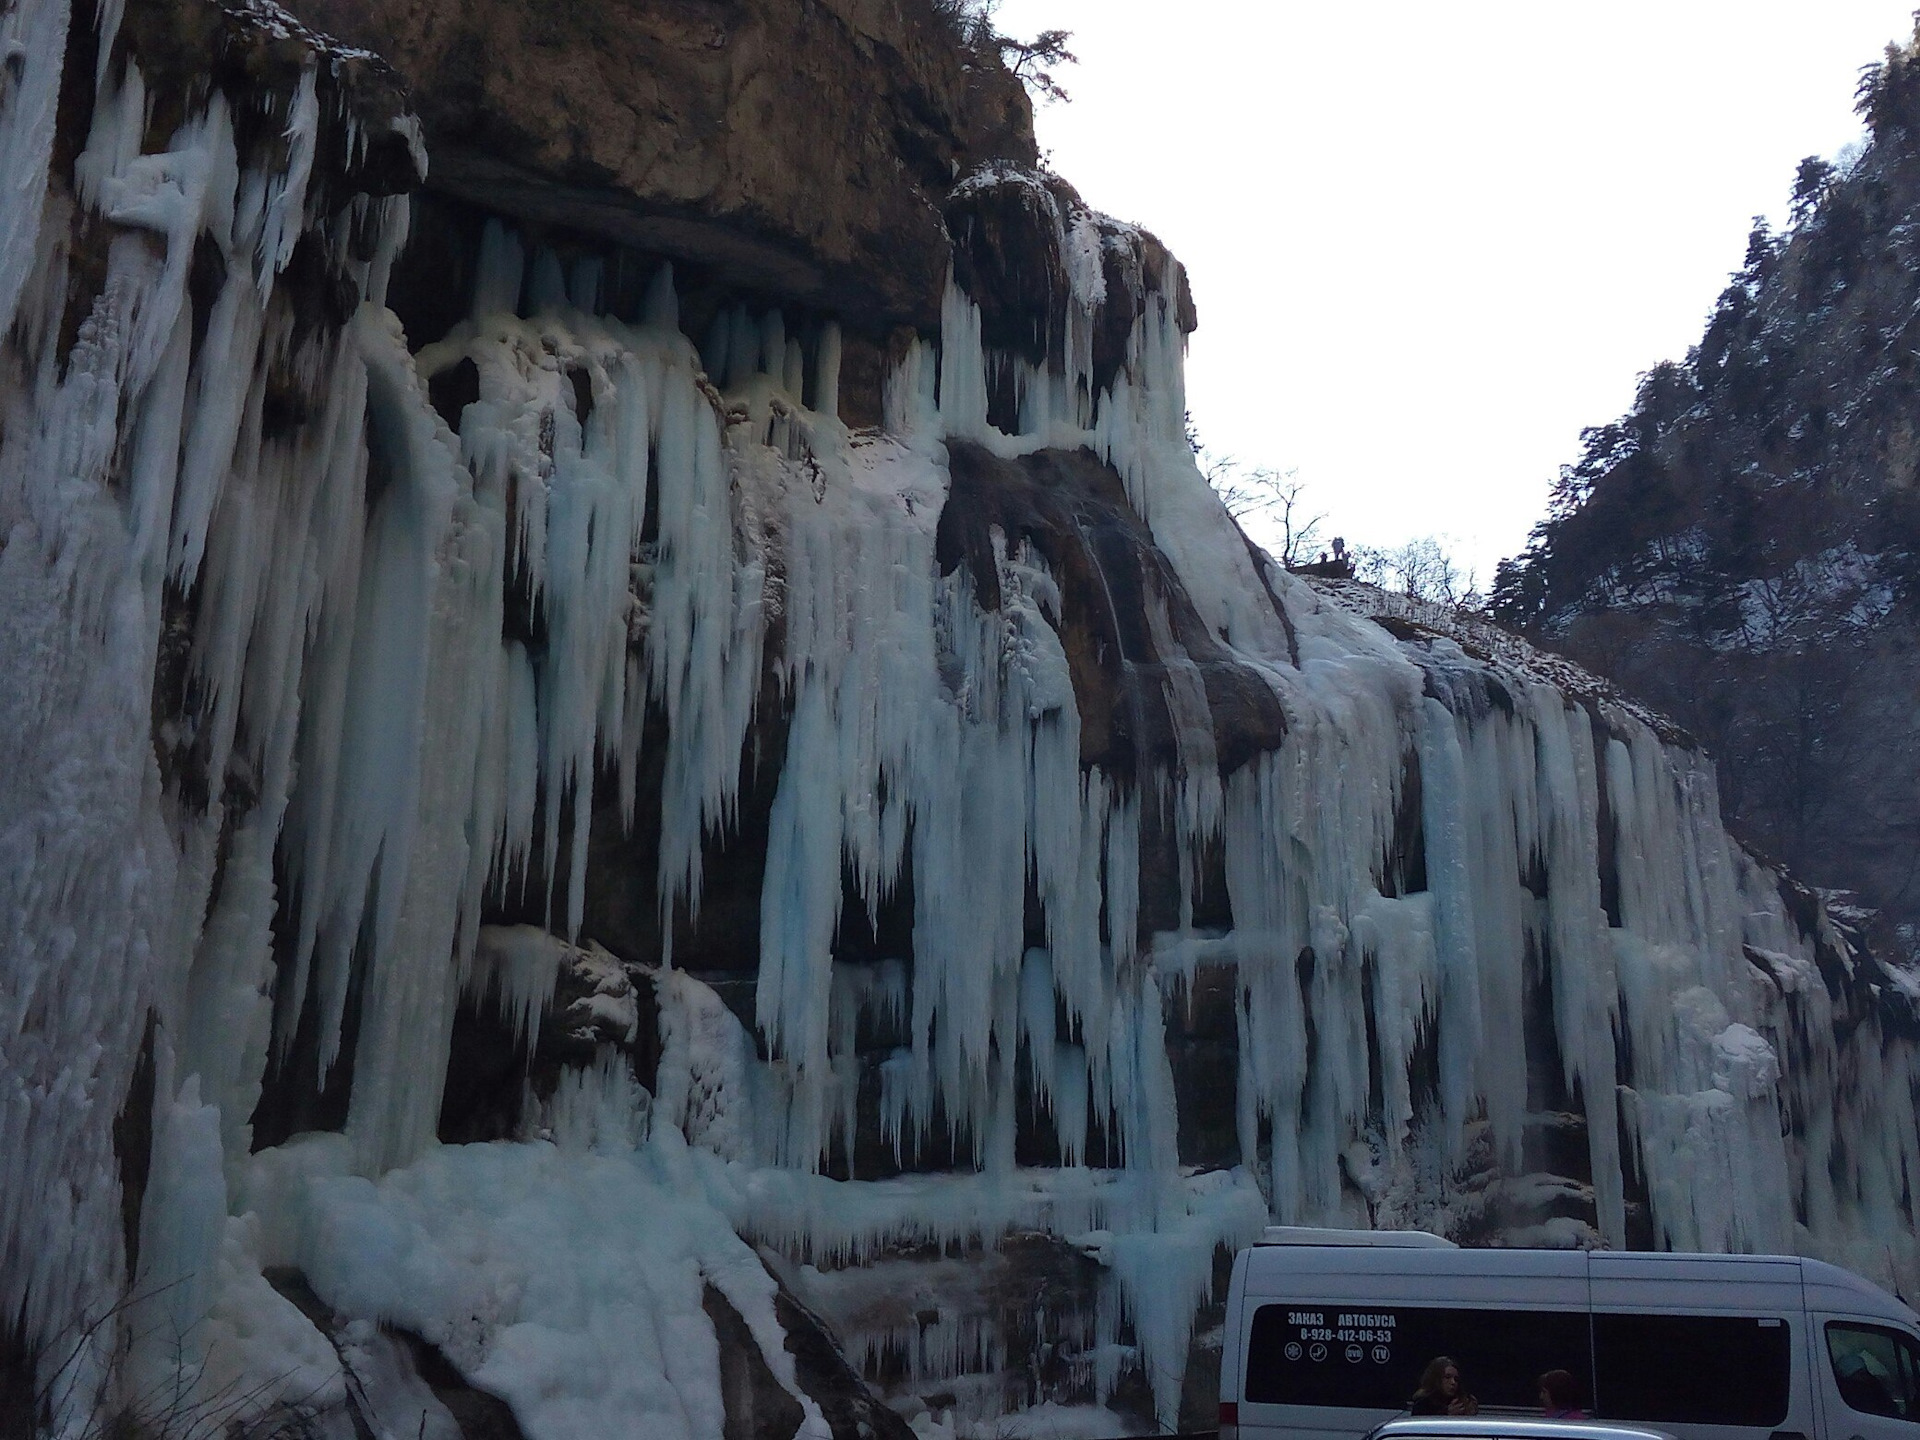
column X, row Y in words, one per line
column 1431, row 242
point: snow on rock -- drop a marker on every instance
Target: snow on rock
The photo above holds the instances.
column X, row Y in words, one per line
column 1193, row 896
column 568, row 1284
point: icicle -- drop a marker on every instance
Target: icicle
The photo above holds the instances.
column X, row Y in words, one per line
column 599, row 1107
column 496, row 286
column 285, row 217
column 826, row 371
column 583, row 285
column 662, row 308
column 34, row 36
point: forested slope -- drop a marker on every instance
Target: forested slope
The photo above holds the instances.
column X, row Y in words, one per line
column 1742, row 548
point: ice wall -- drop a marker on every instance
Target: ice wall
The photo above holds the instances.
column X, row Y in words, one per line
column 180, row 484
column 309, row 676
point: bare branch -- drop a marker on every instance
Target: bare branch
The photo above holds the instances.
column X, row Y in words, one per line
column 1420, row 569
column 1273, row 499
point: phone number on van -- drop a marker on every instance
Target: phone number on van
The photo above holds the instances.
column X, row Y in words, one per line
column 1355, row 1329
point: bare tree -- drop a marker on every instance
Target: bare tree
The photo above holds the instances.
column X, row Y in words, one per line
column 1274, row 500
column 1420, row 569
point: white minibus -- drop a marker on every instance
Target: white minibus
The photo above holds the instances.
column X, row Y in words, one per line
column 1328, row 1333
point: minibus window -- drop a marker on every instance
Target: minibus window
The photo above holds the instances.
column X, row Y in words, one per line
column 1692, row 1369
column 1370, row 1358
column 1876, row 1370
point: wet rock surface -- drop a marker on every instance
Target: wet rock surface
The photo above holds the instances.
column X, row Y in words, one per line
column 394, row 1376
column 846, row 1400
column 1024, row 242
column 1115, row 587
column 757, row 1405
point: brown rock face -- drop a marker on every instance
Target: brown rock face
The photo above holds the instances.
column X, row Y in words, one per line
column 1073, row 509
column 794, row 148
column 1010, row 234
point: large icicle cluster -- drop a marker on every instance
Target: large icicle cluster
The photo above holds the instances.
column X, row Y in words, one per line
column 307, row 676
column 181, row 471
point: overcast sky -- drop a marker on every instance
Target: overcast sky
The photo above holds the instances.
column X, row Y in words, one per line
column 1431, row 242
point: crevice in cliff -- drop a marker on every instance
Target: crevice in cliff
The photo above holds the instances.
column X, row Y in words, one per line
column 298, row 1092
column 133, row 1145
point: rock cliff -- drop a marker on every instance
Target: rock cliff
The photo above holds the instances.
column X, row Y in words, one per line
column 643, row 791
column 795, row 150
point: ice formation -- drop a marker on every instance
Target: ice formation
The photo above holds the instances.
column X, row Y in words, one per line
column 279, row 732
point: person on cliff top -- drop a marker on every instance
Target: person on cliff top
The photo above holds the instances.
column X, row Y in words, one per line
column 1441, row 1392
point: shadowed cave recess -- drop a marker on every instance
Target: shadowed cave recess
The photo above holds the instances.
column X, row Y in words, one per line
column 642, row 792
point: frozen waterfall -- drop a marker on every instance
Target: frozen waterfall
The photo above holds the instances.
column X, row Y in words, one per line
column 308, row 677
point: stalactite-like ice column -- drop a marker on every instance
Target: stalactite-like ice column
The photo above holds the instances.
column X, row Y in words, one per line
column 181, row 483
column 312, row 676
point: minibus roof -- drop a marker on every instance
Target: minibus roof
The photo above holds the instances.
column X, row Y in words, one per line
column 1387, row 1239
column 1831, row 1289
column 1819, row 1286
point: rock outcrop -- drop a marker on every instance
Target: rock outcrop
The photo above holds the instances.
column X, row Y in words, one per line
column 793, row 150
